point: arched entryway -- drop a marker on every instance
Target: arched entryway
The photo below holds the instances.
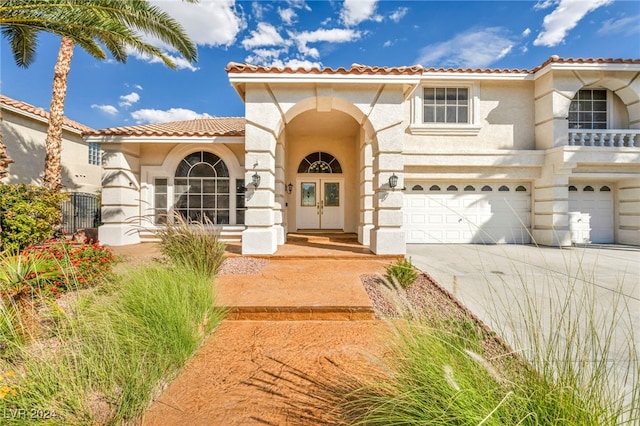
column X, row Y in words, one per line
column 322, row 164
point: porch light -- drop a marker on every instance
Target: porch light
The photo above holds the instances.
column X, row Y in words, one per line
column 289, row 188
column 393, row 181
column 255, row 180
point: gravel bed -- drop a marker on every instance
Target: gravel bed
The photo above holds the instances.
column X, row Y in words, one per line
column 242, row 265
column 430, row 302
column 425, row 297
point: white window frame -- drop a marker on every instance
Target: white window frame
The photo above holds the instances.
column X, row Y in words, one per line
column 609, row 103
column 419, row 127
column 95, row 154
column 167, row 171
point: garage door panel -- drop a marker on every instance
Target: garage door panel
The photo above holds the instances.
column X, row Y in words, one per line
column 599, row 206
column 467, row 217
column 417, row 219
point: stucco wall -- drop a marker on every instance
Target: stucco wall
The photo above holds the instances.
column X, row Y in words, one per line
column 25, row 140
column 506, row 117
column 154, row 154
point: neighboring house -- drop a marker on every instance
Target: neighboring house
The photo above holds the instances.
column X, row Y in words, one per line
column 397, row 155
column 24, row 131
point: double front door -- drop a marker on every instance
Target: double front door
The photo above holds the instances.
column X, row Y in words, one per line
column 320, row 203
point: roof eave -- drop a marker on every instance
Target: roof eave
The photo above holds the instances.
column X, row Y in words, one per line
column 584, row 66
column 117, row 139
column 39, row 118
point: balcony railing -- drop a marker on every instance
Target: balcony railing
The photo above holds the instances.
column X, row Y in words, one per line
column 604, row 138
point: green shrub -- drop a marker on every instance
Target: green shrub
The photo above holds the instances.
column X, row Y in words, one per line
column 192, row 245
column 28, row 215
column 117, row 348
column 402, row 272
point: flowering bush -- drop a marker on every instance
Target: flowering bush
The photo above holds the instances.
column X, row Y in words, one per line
column 28, row 215
column 77, row 265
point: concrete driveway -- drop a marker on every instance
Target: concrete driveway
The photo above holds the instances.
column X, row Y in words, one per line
column 511, row 287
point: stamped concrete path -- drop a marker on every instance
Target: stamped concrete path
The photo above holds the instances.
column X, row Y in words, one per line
column 296, row 333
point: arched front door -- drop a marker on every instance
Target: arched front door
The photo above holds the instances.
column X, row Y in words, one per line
column 320, row 193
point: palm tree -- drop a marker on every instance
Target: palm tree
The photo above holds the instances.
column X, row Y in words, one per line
column 115, row 24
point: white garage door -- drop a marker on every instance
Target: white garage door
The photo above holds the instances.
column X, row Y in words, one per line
column 597, row 201
column 467, row 213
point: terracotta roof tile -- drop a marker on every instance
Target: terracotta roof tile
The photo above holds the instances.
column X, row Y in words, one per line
column 356, row 69
column 559, row 60
column 206, row 127
column 28, row 108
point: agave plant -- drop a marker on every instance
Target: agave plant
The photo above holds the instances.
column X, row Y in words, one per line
column 20, row 278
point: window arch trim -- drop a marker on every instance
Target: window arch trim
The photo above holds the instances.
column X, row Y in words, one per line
column 320, row 162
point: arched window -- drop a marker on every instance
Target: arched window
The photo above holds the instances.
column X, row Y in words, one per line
column 452, row 188
column 469, row 188
column 319, row 162
column 201, row 188
column 572, row 188
column 588, row 188
column 487, row 188
column 434, row 188
column 521, row 188
column 605, row 189
column 417, row 188
column 503, row 188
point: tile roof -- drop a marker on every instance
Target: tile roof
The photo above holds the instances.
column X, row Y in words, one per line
column 558, row 60
column 357, row 69
column 354, row 69
column 206, row 127
column 28, row 108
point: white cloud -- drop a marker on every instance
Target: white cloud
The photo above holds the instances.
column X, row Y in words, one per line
column 208, row 22
column 107, row 109
column 475, row 48
column 299, row 4
column 265, row 56
column 143, row 116
column 288, row 15
column 398, row 14
column 336, row 35
column 387, row 43
column 179, row 61
column 357, row 11
column 257, row 10
column 544, row 4
column 128, row 100
column 137, row 86
column 526, row 32
column 564, row 18
column 297, row 63
column 626, row 26
column 265, row 35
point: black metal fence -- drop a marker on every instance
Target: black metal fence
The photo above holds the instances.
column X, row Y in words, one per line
column 80, row 212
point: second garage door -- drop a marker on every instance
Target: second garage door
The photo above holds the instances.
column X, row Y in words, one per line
column 467, row 213
column 597, row 202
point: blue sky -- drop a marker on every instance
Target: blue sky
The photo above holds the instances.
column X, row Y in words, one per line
column 471, row 34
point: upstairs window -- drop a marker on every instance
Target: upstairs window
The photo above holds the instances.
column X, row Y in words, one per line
column 446, row 105
column 588, row 110
column 95, row 154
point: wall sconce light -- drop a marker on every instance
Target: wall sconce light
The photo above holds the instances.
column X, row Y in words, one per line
column 393, row 181
column 255, row 180
column 289, row 188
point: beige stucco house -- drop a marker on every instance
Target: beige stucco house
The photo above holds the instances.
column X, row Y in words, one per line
column 24, row 131
column 398, row 155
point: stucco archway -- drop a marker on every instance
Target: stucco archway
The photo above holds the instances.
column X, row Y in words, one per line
column 373, row 117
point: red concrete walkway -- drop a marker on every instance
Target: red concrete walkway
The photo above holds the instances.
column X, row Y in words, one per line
column 304, row 319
